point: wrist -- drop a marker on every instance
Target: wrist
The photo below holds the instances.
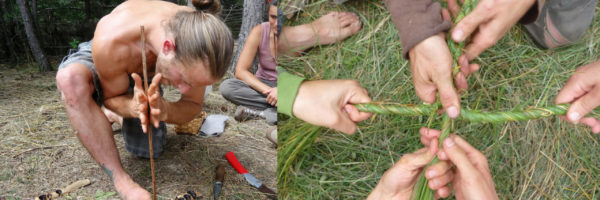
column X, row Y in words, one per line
column 380, row 193
column 165, row 111
column 132, row 109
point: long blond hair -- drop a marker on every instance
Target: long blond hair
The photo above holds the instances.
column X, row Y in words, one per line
column 202, row 35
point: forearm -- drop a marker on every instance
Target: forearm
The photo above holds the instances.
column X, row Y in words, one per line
column 252, row 81
column 182, row 111
column 121, row 105
column 416, row 20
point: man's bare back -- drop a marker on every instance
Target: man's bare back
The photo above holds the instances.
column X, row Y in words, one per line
column 116, row 48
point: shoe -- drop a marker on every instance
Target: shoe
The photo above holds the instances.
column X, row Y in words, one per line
column 270, row 115
column 272, row 135
column 242, row 114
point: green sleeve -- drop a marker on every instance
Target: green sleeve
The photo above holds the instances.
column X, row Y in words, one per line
column 287, row 89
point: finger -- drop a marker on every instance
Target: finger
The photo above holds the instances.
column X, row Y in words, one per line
column 473, row 68
column 440, row 181
column 143, row 122
column 416, row 160
column 438, row 169
column 583, row 105
column 577, row 86
column 138, row 81
column 472, row 21
column 153, row 100
column 154, row 85
column 343, row 123
column 442, row 155
column 460, row 82
column 446, row 15
column 355, row 115
column 266, row 92
column 448, row 95
column 443, row 192
column 475, row 156
column 593, row 123
column 459, row 158
column 465, row 67
column 429, row 137
column 155, row 113
column 453, row 6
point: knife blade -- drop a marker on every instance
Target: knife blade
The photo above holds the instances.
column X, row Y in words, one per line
column 249, row 177
column 219, row 177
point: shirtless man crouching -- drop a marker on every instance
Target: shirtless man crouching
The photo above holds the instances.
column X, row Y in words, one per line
column 185, row 47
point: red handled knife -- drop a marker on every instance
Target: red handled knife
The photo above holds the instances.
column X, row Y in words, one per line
column 249, row 177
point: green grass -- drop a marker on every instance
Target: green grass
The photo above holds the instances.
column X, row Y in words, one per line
column 538, row 159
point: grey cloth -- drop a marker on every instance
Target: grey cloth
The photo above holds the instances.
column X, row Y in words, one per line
column 136, row 141
column 213, row 125
column 240, row 93
column 83, row 55
column 560, row 22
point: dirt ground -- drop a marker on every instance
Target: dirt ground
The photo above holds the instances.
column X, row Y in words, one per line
column 40, row 152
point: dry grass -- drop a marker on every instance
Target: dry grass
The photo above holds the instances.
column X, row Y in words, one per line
column 40, row 152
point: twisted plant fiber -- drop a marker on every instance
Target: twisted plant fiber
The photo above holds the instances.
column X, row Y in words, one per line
column 465, row 114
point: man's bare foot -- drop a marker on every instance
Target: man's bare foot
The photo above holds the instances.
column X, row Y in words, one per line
column 128, row 189
column 112, row 116
column 336, row 26
column 330, row 28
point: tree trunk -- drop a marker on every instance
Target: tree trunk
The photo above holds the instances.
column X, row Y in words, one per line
column 37, row 51
column 7, row 43
column 253, row 15
column 34, row 11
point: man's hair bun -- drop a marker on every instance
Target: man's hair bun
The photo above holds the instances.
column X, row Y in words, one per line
column 209, row 6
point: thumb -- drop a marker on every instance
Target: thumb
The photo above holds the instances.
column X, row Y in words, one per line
column 584, row 105
column 448, row 96
column 416, row 160
column 458, row 157
column 471, row 22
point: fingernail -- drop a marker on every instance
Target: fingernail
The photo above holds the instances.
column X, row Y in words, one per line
column 435, row 182
column 463, row 61
column 443, row 156
column 448, row 142
column 452, row 112
column 574, row 116
column 431, row 173
column 457, row 35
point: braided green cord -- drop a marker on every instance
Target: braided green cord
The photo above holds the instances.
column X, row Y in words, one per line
column 466, row 114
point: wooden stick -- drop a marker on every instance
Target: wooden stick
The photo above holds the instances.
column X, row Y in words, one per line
column 64, row 191
column 149, row 127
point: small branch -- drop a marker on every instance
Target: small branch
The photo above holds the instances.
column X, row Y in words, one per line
column 66, row 190
column 36, row 148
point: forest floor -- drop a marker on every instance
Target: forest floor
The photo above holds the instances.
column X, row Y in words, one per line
column 40, row 152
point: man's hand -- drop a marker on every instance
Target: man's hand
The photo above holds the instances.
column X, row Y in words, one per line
column 271, row 96
column 398, row 181
column 158, row 106
column 431, row 68
column 583, row 92
column 472, row 177
column 487, row 23
column 140, row 102
column 329, row 103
